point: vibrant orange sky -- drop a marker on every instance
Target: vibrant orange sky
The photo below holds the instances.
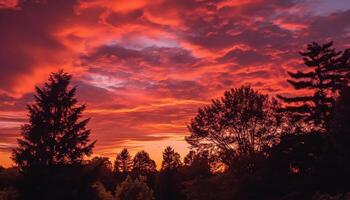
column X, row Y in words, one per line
column 144, row 67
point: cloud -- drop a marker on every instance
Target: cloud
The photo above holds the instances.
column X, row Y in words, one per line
column 335, row 25
column 144, row 67
column 246, row 58
column 28, row 42
column 8, row 4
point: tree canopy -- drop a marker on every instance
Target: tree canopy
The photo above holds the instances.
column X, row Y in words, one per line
column 171, row 159
column 134, row 190
column 123, row 162
column 242, row 122
column 143, row 164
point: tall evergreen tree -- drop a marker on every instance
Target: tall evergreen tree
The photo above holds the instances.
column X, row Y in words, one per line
column 143, row 164
column 328, row 71
column 171, row 159
column 123, row 163
column 53, row 145
column 169, row 179
column 54, row 134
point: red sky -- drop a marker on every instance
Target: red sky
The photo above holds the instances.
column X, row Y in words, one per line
column 144, row 67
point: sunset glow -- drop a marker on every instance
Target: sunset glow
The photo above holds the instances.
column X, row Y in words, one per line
column 144, row 67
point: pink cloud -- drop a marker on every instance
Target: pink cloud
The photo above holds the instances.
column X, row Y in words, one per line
column 144, row 67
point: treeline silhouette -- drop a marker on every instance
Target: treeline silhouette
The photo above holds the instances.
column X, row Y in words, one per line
column 245, row 145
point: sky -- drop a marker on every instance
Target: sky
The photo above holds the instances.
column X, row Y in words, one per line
column 144, row 67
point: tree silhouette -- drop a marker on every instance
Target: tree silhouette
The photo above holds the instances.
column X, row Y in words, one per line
column 54, row 134
column 169, row 179
column 329, row 72
column 103, row 171
column 103, row 163
column 123, row 162
column 338, row 162
column 190, row 158
column 340, row 120
column 53, row 144
column 241, row 123
column 102, row 193
column 171, row 159
column 143, row 164
column 133, row 190
column 197, row 165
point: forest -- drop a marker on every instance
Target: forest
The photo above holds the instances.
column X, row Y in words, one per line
column 245, row 145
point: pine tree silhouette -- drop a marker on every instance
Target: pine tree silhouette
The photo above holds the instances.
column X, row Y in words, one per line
column 171, row 159
column 329, row 72
column 123, row 162
column 53, row 145
column 143, row 164
column 54, row 134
